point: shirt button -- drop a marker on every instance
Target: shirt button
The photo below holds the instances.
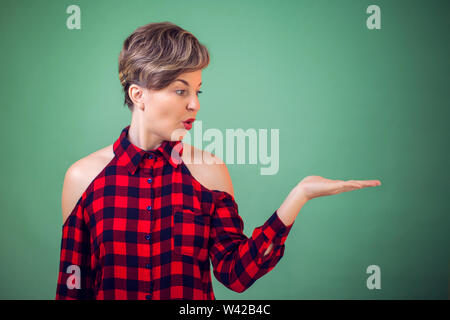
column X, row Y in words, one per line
column 147, row 237
column 147, row 265
column 149, row 208
column 150, row 156
column 149, row 180
column 147, row 297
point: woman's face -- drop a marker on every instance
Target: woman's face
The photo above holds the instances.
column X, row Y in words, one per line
column 164, row 111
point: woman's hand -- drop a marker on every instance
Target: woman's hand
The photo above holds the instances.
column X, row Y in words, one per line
column 316, row 186
column 312, row 187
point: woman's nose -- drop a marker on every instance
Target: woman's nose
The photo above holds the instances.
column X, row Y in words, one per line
column 194, row 105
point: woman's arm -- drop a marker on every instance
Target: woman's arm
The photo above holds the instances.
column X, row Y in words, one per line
column 313, row 187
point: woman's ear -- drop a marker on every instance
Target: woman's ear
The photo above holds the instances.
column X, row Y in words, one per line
column 136, row 94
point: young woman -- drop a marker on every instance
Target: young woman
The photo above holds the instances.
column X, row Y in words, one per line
column 142, row 220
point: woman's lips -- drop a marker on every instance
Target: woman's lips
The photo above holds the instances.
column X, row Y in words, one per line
column 188, row 124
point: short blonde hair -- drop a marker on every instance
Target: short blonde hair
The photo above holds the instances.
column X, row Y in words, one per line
column 154, row 55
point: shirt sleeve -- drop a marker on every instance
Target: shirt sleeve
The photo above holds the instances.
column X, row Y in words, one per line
column 75, row 277
column 238, row 261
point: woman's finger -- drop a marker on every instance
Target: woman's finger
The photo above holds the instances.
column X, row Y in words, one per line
column 349, row 185
column 370, row 183
column 366, row 183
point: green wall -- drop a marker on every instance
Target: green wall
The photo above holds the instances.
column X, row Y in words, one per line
column 349, row 103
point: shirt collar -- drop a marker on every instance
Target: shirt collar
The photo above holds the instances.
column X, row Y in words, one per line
column 131, row 156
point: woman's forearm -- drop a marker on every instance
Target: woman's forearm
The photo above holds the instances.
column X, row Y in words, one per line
column 291, row 206
column 289, row 209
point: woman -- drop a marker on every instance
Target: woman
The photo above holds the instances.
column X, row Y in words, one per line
column 141, row 221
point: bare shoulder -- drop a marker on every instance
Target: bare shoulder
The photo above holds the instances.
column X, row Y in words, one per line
column 210, row 170
column 80, row 175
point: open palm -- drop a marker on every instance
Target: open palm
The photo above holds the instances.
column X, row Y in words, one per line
column 316, row 186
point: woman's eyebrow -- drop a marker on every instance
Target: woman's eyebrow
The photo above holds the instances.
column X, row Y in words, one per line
column 185, row 82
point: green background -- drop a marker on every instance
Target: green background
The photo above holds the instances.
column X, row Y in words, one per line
column 350, row 103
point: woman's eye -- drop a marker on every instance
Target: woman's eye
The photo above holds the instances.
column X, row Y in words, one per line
column 181, row 92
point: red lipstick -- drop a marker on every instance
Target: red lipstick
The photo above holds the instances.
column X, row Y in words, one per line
column 188, row 123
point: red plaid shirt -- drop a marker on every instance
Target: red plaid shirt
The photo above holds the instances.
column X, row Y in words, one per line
column 146, row 229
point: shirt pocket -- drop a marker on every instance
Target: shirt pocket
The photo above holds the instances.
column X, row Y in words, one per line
column 191, row 233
